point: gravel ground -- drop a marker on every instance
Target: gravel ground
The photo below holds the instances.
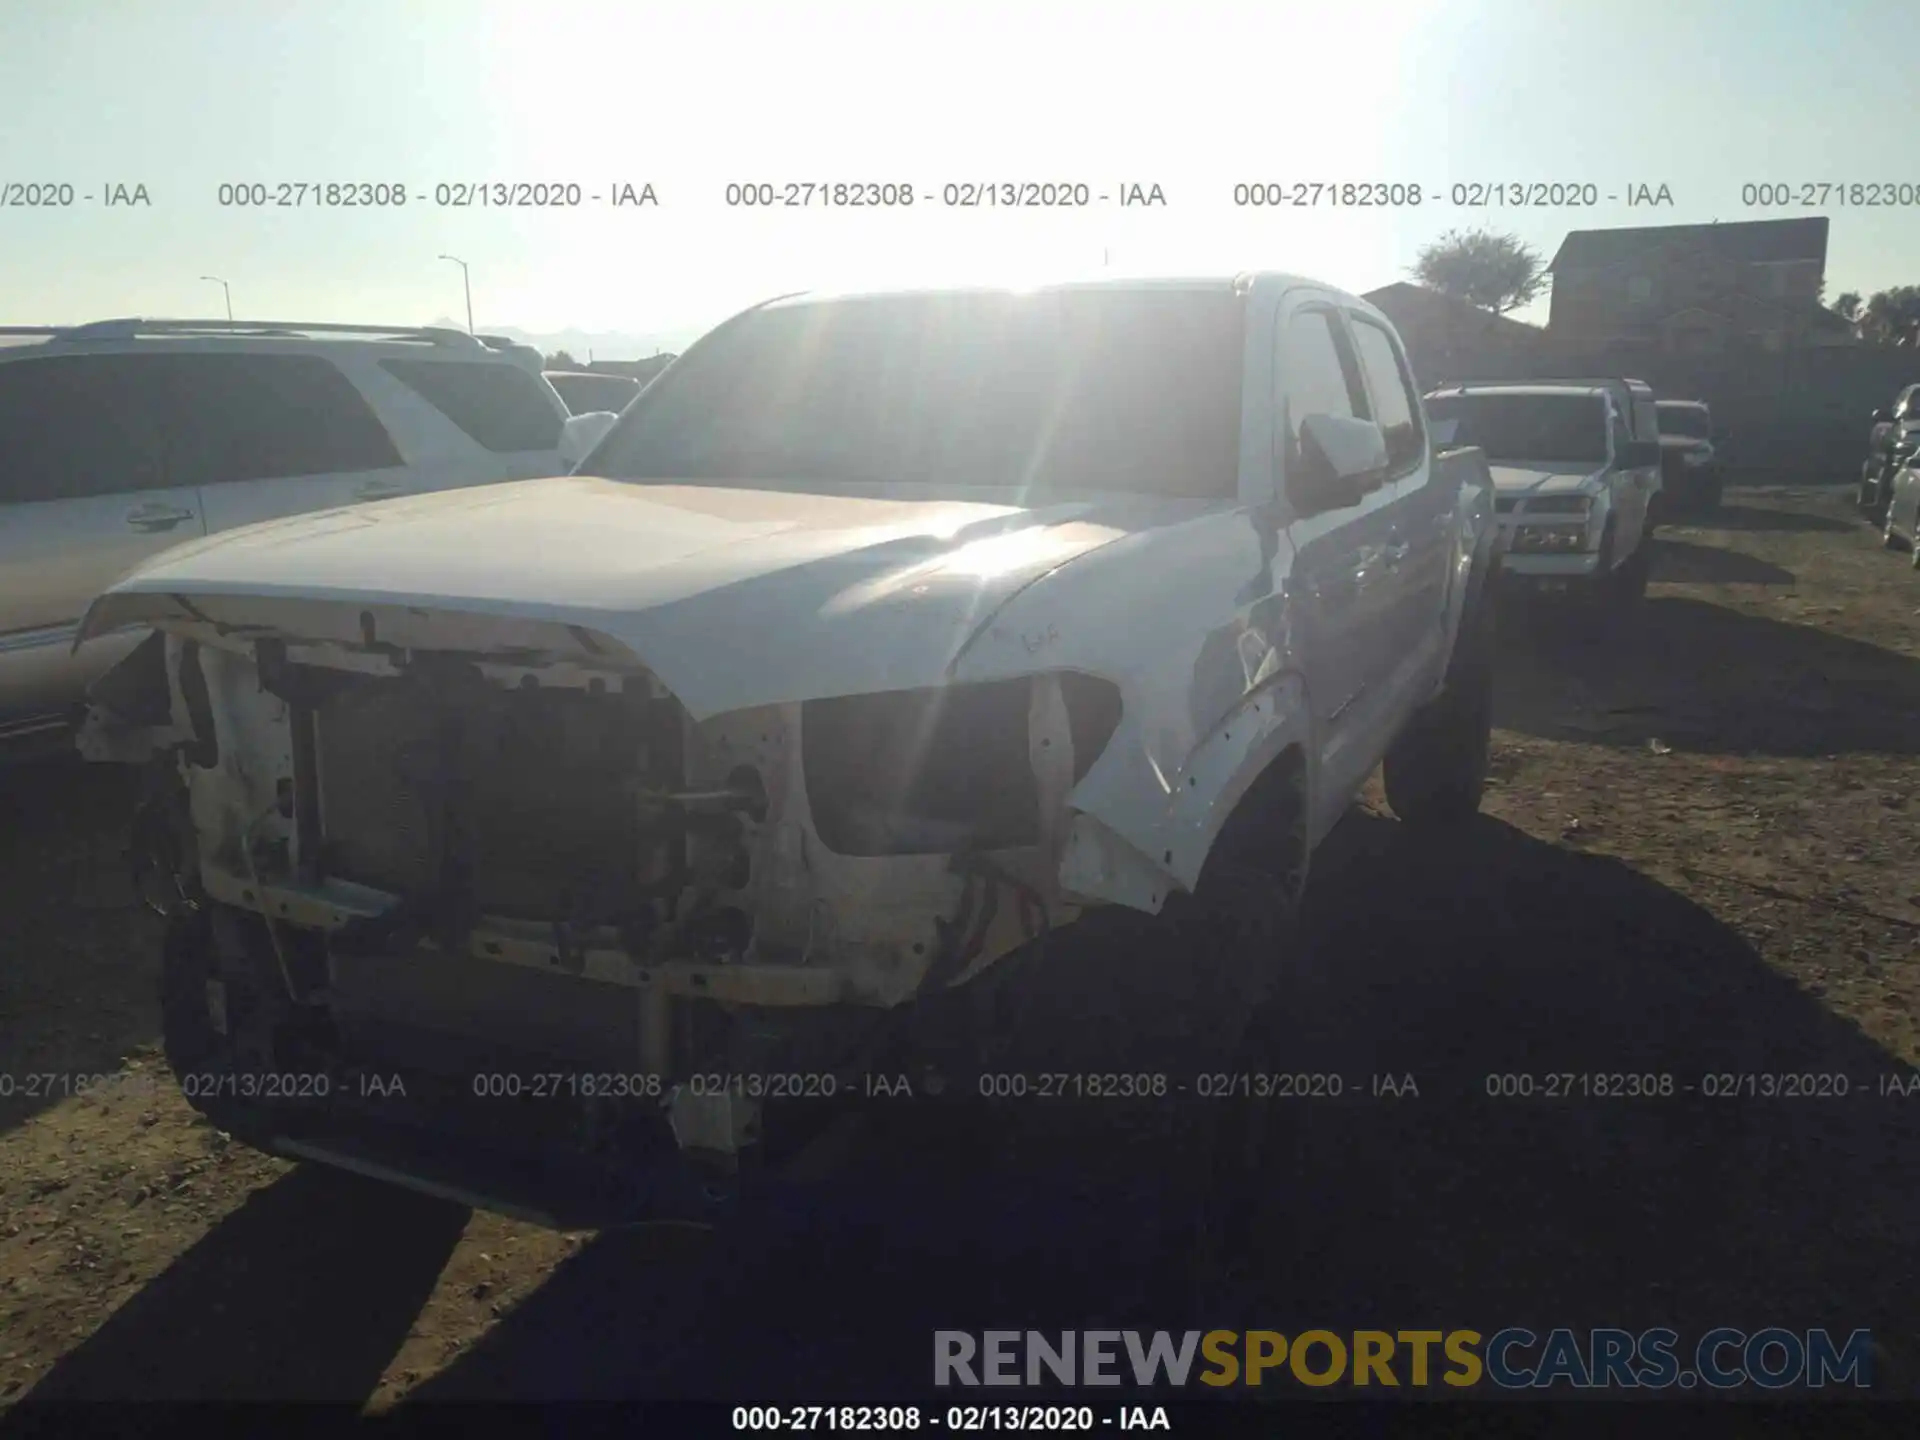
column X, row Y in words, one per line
column 1699, row 858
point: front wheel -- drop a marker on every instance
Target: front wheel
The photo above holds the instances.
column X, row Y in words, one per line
column 1436, row 771
column 1629, row 582
column 198, row 1048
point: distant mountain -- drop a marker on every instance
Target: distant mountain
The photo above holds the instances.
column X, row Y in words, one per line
column 603, row 344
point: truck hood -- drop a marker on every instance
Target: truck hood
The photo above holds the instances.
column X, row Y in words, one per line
column 732, row 596
column 1532, row 479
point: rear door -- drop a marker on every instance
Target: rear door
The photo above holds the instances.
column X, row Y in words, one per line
column 270, row 435
column 513, row 416
column 86, row 493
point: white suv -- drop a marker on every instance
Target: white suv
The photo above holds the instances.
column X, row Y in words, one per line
column 124, row 438
column 1574, row 484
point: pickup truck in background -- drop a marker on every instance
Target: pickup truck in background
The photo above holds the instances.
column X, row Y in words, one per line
column 1574, row 487
column 1690, row 450
column 884, row 639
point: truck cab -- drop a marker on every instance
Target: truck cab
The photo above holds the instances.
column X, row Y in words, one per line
column 1574, row 485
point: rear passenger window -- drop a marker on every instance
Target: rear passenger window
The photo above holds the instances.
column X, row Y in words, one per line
column 500, row 406
column 1395, row 406
column 267, row 417
column 73, row 426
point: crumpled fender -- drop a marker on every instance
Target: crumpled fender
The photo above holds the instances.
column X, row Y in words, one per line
column 1203, row 659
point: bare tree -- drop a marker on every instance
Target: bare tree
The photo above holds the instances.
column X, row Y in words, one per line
column 1495, row 272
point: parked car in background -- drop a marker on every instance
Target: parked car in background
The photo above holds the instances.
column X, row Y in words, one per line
column 1894, row 437
column 586, row 390
column 1901, row 528
column 1689, row 457
column 890, row 636
column 124, row 438
column 1573, row 484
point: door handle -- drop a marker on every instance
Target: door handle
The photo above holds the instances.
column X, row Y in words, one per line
column 1397, row 552
column 151, row 518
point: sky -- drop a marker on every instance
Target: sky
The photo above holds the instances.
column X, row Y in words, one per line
column 1704, row 97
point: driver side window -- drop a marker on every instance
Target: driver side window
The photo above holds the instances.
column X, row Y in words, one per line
column 1318, row 376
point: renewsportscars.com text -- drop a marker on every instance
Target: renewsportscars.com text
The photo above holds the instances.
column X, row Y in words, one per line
column 1512, row 1358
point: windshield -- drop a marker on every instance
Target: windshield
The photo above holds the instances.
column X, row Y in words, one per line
column 1566, row 428
column 1690, row 421
column 1130, row 391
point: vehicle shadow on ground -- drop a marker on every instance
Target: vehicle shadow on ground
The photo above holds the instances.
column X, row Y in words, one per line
column 1729, row 516
column 1498, row 955
column 1506, row 956
column 304, row 1293
column 1681, row 562
column 78, row 986
column 1708, row 678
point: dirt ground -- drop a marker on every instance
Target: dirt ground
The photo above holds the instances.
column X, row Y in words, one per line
column 1701, row 858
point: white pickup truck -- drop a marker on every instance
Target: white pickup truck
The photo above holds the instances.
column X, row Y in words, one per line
column 884, row 637
column 1575, row 485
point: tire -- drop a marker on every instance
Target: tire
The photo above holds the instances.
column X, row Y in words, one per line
column 1629, row 582
column 1240, row 910
column 199, row 1055
column 1889, row 537
column 1870, row 489
column 1436, row 771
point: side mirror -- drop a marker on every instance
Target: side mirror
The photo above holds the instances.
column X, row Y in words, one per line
column 1637, row 455
column 580, row 433
column 1342, row 460
column 1881, row 417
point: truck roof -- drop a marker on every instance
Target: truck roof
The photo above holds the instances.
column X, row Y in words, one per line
column 1521, row 387
column 1200, row 284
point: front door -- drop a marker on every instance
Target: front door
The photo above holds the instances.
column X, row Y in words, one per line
column 1344, row 566
column 1422, row 517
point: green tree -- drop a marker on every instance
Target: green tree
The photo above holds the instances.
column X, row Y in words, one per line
column 561, row 360
column 1892, row 316
column 1495, row 272
column 1847, row 304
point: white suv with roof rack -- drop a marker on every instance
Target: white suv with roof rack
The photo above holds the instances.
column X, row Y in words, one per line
column 124, row 438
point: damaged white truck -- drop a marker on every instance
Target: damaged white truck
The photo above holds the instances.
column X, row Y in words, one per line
column 535, row 845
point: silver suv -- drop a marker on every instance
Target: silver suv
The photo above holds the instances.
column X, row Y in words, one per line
column 123, row 438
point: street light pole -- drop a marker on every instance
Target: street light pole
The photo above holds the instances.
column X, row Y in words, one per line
column 467, row 281
column 225, row 288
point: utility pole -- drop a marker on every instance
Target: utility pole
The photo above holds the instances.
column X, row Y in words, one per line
column 224, row 287
column 466, row 280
